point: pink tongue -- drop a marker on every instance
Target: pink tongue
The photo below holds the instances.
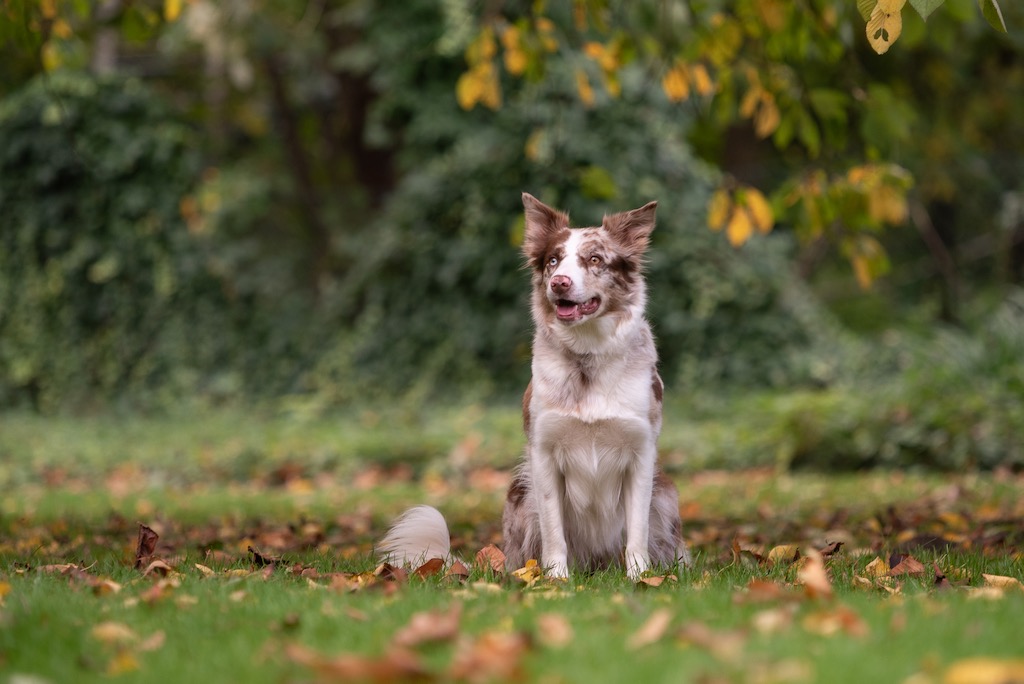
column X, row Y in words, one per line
column 567, row 310
column 589, row 306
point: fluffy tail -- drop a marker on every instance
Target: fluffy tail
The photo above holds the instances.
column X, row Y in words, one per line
column 418, row 535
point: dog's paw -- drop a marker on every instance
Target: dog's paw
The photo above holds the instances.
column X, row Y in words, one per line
column 636, row 566
column 559, row 569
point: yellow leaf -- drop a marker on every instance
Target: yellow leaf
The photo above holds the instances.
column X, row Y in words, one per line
column 583, row 87
column 510, row 38
column 786, row 553
column 612, row 84
column 546, row 30
column 1002, row 582
column 759, row 209
column 469, row 89
column 984, row 671
column 48, row 8
column 768, row 116
column 862, row 271
column 529, row 573
column 50, row 56
column 718, row 210
column 61, row 28
column 748, row 105
column 652, row 630
column 740, row 227
column 172, row 9
column 702, row 82
column 877, row 568
column 887, row 205
column 123, row 662
column 594, row 50
column 885, row 25
column 675, row 85
column 5, row 589
column 491, row 94
column 515, row 62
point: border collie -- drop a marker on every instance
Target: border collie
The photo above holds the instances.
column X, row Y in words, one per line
column 588, row 494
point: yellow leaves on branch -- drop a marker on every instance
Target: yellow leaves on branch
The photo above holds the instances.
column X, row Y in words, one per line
column 480, row 83
column 759, row 105
column 740, row 213
column 885, row 24
column 678, row 81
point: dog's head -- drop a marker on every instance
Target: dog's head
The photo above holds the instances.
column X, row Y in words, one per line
column 580, row 274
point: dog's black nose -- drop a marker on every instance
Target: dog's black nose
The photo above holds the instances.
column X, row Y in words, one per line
column 560, row 284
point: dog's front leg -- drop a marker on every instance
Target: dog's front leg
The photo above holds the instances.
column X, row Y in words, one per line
column 638, row 513
column 549, row 488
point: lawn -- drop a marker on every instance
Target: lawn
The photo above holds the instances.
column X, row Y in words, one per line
column 262, row 569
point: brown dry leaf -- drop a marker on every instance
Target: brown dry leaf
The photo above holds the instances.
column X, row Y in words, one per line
column 160, row 590
column 655, row 581
column 491, row 557
column 429, row 627
column 554, row 630
column 110, row 632
column 394, row 666
column 154, row 642
column 762, row 591
column 458, row 571
column 389, row 573
column 101, row 586
column 1002, row 582
column 941, row 583
column 261, row 560
column 830, row 548
column 725, row 645
column 652, row 630
column 490, row 657
column 908, row 565
column 813, row 576
column 786, row 553
column 985, row 671
column 773, row 620
column 430, row 568
column 745, row 557
column 157, row 568
column 833, row 621
column 145, row 546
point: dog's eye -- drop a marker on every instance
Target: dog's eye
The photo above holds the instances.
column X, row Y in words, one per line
column 596, row 260
column 553, row 261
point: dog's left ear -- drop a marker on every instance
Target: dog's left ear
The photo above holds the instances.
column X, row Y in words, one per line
column 632, row 229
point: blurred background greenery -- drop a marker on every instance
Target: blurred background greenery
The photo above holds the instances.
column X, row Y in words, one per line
column 315, row 205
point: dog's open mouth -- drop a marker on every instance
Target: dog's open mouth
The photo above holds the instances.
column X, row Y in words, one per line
column 568, row 310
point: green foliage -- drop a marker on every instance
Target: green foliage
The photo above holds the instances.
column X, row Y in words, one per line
column 101, row 286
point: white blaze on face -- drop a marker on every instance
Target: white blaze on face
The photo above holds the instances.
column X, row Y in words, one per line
column 578, row 301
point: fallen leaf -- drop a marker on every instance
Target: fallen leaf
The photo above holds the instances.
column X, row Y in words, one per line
column 1002, row 582
column 725, row 645
column 655, row 581
column 146, row 545
column 652, row 630
column 554, row 630
column 908, row 565
column 985, row 671
column 393, row 666
column 260, row 560
column 787, row 553
column 430, row 568
column 429, row 627
column 459, row 571
column 113, row 633
column 745, row 557
column 830, row 548
column 941, row 583
column 491, row 557
column 877, row 568
column 390, row 573
column 813, row 576
column 762, row 591
column 153, row 642
column 157, row 568
column 836, row 620
column 529, row 573
column 773, row 620
column 207, row 572
column 101, row 586
column 493, row 656
column 124, row 661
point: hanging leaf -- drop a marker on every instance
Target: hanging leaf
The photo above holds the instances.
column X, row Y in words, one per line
column 675, row 85
column 866, row 7
column 926, row 7
column 718, row 210
column 760, row 210
column 993, row 14
column 885, row 25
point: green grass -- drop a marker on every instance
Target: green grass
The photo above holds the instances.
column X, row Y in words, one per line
column 317, row 491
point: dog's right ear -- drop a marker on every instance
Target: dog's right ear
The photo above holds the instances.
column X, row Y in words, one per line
column 543, row 224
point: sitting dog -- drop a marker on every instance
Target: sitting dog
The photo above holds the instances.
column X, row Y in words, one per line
column 588, row 494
